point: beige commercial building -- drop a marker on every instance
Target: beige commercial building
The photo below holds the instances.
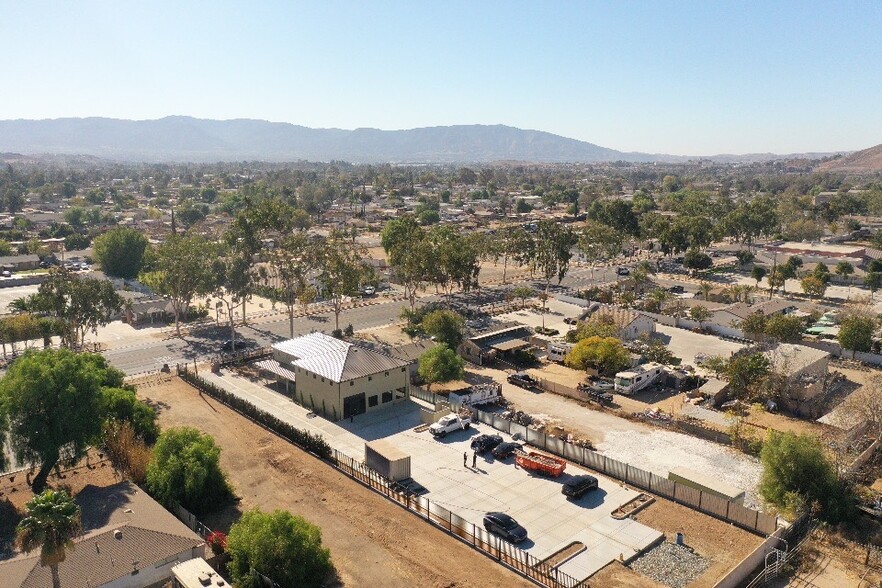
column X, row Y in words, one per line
column 338, row 379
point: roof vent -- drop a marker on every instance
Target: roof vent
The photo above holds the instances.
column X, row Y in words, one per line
column 204, row 579
column 117, row 533
column 220, row 581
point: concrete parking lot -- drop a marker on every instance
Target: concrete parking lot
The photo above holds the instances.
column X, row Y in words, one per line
column 686, row 344
column 553, row 522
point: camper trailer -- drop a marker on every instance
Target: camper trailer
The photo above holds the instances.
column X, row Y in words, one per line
column 638, row 378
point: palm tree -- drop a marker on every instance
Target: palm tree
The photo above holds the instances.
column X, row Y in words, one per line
column 705, row 288
column 53, row 519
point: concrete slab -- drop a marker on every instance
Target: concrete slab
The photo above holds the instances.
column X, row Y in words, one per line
column 552, row 521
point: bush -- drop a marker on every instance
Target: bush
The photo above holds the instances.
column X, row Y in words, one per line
column 304, row 439
column 185, row 469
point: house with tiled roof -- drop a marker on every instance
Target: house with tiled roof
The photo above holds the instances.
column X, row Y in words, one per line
column 338, row 379
column 128, row 540
column 630, row 324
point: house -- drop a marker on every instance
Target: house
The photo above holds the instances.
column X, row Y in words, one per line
column 337, row 378
column 19, row 263
column 631, row 325
column 804, row 369
column 488, row 347
column 128, row 540
column 140, row 308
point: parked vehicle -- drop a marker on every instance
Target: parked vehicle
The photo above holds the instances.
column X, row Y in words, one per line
column 676, row 289
column 638, row 378
column 477, row 394
column 368, row 291
column 543, row 464
column 504, row 450
column 578, row 486
column 595, row 393
column 504, row 526
column 623, row 271
column 485, row 443
column 237, row 345
column 449, row 424
column 558, row 350
column 523, row 380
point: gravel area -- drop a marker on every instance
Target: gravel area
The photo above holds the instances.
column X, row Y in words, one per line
column 671, row 564
column 658, row 451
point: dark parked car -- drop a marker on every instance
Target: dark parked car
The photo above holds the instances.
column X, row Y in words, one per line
column 504, row 450
column 484, row 443
column 239, row 345
column 577, row 486
column 523, row 379
column 504, row 526
column 676, row 289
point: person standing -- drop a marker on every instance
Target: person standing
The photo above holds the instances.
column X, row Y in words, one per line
column 474, row 459
column 465, row 459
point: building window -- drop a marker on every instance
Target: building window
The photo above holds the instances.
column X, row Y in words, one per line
column 403, row 370
column 370, row 378
column 373, row 400
column 323, row 380
column 387, row 374
column 352, row 382
column 387, row 397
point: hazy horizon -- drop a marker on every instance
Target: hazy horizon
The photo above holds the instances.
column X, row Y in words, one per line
column 678, row 78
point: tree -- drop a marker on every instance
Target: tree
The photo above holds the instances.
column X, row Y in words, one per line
column 122, row 405
column 507, row 244
column 700, row 314
column 822, row 272
column 777, row 279
column 180, row 272
column 53, row 519
column 705, row 288
column 754, row 325
column 873, row 280
column 52, row 400
column 283, row 547
column 864, row 405
column 445, row 326
column 607, row 355
column 454, row 258
column 814, row 286
column 844, row 269
column 656, row 299
column 697, row 260
column 554, row 244
column 79, row 304
column 758, row 273
column 185, row 469
column 744, row 256
column 797, row 474
column 856, row 333
column 598, row 241
column 441, row 364
column 290, row 263
column 746, row 373
column 232, row 283
column 120, row 252
column 524, row 292
column 409, row 253
column 786, row 329
column 341, row 271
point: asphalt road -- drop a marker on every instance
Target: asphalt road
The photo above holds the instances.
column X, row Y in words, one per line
column 205, row 342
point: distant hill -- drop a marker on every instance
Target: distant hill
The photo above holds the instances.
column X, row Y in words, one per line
column 180, row 138
column 867, row 161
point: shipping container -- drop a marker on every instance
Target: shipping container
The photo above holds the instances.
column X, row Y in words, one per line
column 388, row 460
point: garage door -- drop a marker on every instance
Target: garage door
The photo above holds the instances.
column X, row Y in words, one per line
column 353, row 405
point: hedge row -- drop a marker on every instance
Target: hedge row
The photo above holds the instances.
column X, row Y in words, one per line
column 308, row 441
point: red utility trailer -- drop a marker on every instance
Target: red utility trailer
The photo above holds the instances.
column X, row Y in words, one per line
column 544, row 464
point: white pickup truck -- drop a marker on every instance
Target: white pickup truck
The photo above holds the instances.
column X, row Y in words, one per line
column 449, row 424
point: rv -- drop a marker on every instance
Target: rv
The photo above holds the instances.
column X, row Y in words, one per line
column 638, row 378
column 558, row 350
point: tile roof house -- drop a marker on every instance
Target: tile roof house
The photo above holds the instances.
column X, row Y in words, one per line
column 630, row 324
column 128, row 540
column 338, row 378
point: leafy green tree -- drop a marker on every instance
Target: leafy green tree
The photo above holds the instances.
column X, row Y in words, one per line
column 598, row 241
column 524, row 292
column 180, row 271
column 873, row 280
column 120, row 252
column 446, row 326
column 283, row 547
column 700, row 314
column 441, row 364
column 814, row 286
column 758, row 273
column 754, row 325
column 52, row 400
column 554, row 244
column 856, row 333
column 290, row 263
column 844, row 269
column 121, row 405
column 797, row 474
column 409, row 254
column 53, row 519
column 822, row 272
column 185, row 469
column 341, row 270
column 507, row 244
column 78, row 303
column 607, row 355
column 786, row 329
column 744, row 256
column 746, row 373
column 600, row 324
column 697, row 260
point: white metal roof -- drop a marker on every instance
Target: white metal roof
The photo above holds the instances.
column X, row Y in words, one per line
column 334, row 359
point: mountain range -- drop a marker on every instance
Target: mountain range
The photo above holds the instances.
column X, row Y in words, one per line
column 859, row 162
column 182, row 138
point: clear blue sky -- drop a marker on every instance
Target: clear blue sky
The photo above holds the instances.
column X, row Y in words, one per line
column 680, row 77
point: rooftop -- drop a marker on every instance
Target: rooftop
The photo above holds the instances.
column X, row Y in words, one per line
column 334, row 359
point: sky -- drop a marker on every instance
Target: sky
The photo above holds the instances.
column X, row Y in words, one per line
column 679, row 77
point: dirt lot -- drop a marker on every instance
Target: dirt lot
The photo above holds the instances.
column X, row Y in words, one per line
column 365, row 532
column 724, row 545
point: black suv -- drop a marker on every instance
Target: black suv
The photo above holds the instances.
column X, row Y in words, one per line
column 577, row 486
column 484, row 443
column 238, row 345
column 523, row 379
column 505, row 526
column 504, row 450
